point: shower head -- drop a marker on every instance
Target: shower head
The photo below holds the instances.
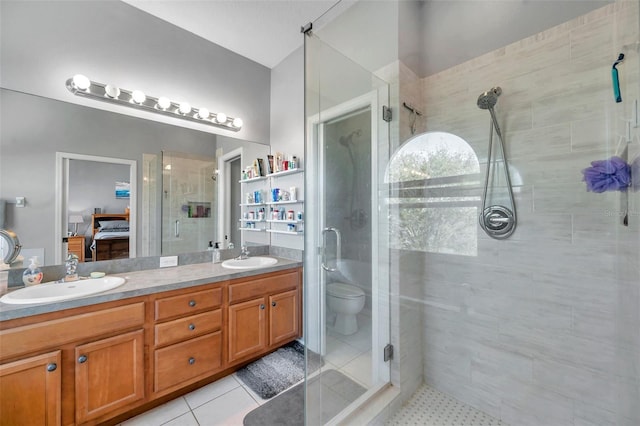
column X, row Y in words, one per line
column 488, row 99
column 346, row 140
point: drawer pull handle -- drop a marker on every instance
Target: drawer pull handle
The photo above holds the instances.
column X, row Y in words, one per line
column 52, row 367
column 261, row 306
column 192, row 303
column 192, row 361
column 82, row 359
column 273, row 304
column 192, row 327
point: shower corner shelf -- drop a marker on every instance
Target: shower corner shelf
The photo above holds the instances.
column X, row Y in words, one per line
column 251, row 204
column 284, row 221
column 253, row 229
column 275, row 231
column 252, row 220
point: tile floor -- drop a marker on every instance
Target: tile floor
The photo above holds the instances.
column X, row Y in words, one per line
column 228, row 400
column 429, row 407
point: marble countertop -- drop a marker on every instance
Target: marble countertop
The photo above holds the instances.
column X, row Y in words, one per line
column 141, row 283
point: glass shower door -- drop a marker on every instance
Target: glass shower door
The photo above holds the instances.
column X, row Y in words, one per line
column 189, row 194
column 346, row 277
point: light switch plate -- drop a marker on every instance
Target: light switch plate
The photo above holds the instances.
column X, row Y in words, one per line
column 168, row 261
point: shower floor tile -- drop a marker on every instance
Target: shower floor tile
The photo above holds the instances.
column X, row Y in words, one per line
column 428, row 407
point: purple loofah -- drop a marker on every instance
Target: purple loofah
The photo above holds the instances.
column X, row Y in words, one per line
column 613, row 174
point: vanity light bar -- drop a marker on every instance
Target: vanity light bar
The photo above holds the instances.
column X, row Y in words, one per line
column 81, row 86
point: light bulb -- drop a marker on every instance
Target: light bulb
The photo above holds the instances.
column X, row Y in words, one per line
column 81, row 82
column 164, row 103
column 221, row 117
column 203, row 113
column 111, row 91
column 237, row 122
column 138, row 96
column 185, row 108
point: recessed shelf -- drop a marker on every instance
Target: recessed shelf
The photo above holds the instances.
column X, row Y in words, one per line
column 285, row 172
column 286, row 202
column 275, row 231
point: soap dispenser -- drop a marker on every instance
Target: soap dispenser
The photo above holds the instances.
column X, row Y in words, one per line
column 33, row 274
column 216, row 254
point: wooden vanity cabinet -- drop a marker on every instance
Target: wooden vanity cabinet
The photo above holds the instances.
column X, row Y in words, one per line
column 264, row 313
column 109, row 374
column 45, row 382
column 187, row 338
column 30, row 391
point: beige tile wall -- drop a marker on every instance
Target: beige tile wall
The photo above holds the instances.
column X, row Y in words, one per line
column 541, row 328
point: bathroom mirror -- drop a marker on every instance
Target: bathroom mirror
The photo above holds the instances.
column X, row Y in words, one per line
column 29, row 150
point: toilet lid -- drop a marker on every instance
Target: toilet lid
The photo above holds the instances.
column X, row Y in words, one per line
column 345, row 291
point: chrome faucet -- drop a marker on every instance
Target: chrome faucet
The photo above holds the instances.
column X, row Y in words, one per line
column 244, row 253
column 71, row 267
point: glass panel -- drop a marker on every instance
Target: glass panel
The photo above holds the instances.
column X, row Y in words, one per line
column 345, row 243
column 189, row 194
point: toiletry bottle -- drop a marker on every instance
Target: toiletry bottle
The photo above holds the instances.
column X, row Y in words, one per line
column 228, row 244
column 216, row 254
column 4, row 277
column 33, row 274
column 210, row 246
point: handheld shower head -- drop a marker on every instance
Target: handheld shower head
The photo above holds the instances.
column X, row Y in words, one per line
column 488, row 100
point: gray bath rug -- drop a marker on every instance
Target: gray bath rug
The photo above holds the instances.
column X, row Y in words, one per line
column 335, row 389
column 277, row 371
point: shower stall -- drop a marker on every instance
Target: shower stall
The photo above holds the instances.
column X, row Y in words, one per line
column 420, row 173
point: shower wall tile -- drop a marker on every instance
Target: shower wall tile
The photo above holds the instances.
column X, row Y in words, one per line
column 541, row 328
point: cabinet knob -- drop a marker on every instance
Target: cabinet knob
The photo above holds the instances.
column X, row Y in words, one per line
column 261, row 306
column 52, row 367
column 192, row 361
column 82, row 359
column 192, row 303
column 273, row 304
column 192, row 327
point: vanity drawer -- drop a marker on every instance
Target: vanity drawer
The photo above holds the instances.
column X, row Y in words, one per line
column 186, row 328
column 259, row 287
column 188, row 303
column 188, row 360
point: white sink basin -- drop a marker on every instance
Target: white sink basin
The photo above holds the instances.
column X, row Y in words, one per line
column 55, row 292
column 249, row 263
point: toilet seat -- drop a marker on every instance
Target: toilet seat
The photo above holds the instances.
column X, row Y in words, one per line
column 344, row 291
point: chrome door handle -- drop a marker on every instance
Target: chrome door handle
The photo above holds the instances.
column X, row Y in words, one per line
column 338, row 249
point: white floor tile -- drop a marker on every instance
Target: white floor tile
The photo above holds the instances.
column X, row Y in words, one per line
column 211, row 391
column 160, row 415
column 360, row 369
column 184, row 420
column 340, row 353
column 228, row 409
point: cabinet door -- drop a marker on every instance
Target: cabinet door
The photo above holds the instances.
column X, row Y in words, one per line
column 247, row 328
column 30, row 391
column 109, row 375
column 283, row 316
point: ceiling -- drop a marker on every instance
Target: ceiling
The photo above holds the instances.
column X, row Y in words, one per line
column 265, row 31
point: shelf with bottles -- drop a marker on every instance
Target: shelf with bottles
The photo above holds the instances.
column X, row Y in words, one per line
column 252, row 229
column 252, row 204
column 252, row 220
column 277, row 231
column 285, row 172
column 285, row 221
column 254, row 179
column 271, row 203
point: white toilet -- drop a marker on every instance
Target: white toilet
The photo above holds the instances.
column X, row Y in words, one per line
column 346, row 301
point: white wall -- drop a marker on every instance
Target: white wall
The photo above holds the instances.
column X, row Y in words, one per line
column 43, row 43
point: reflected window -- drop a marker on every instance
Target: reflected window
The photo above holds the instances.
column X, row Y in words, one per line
column 433, row 199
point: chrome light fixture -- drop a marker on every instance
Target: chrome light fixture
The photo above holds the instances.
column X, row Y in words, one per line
column 81, row 86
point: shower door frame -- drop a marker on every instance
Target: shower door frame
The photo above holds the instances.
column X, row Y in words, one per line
column 381, row 370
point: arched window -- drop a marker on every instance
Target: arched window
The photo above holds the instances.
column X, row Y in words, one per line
column 433, row 202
